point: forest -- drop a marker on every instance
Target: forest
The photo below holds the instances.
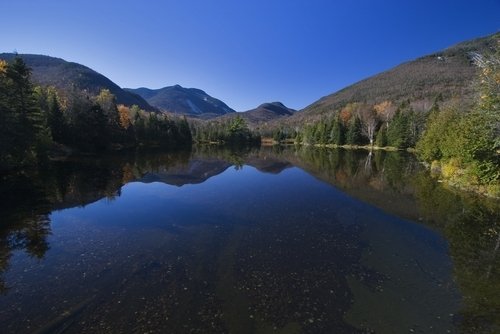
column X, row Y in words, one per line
column 459, row 142
column 38, row 123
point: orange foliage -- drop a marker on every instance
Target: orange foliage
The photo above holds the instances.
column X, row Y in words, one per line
column 385, row 110
column 123, row 112
column 347, row 112
column 3, row 66
column 382, row 107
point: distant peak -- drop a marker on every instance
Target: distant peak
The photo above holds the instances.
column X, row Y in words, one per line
column 272, row 104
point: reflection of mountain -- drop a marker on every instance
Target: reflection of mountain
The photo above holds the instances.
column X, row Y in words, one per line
column 195, row 172
column 392, row 181
column 271, row 165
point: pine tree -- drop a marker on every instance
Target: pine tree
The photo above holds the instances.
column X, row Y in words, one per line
column 397, row 133
column 21, row 119
column 337, row 135
column 55, row 118
column 353, row 136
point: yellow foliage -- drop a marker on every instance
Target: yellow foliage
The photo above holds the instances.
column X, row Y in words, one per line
column 436, row 167
column 382, row 107
column 3, row 66
column 123, row 112
column 451, row 168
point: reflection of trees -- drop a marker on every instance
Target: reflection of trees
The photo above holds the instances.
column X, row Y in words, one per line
column 472, row 227
column 392, row 181
column 474, row 241
column 350, row 169
column 28, row 197
column 25, row 222
column 395, row 182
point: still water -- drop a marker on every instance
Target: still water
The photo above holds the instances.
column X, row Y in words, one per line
column 254, row 241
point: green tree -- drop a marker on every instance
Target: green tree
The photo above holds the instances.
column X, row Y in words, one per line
column 92, row 131
column 397, row 133
column 107, row 101
column 353, row 135
column 469, row 142
column 381, row 139
column 21, row 120
column 337, row 132
column 185, row 136
column 430, row 146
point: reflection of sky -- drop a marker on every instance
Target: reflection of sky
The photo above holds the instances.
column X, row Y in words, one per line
column 244, row 194
column 149, row 203
column 152, row 221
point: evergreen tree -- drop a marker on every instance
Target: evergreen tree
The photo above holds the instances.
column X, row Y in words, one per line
column 92, row 130
column 353, row 135
column 107, row 101
column 337, row 135
column 397, row 133
column 381, row 139
column 55, row 118
column 21, row 119
column 185, row 136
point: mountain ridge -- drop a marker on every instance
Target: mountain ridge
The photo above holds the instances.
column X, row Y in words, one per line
column 447, row 73
column 65, row 76
column 176, row 99
column 265, row 112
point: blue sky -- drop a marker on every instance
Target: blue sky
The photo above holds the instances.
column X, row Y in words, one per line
column 243, row 52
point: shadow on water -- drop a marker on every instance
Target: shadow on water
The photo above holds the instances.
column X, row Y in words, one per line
column 292, row 271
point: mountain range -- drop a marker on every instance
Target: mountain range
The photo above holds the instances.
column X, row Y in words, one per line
column 446, row 74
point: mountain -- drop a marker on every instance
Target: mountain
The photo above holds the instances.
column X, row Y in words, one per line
column 186, row 101
column 266, row 112
column 449, row 73
column 65, row 75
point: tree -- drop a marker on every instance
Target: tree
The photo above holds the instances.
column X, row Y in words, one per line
column 124, row 116
column 55, row 118
column 92, row 130
column 369, row 122
column 337, row 132
column 397, row 133
column 385, row 111
column 353, row 136
column 469, row 142
column 21, row 119
column 107, row 101
column 185, row 136
column 381, row 139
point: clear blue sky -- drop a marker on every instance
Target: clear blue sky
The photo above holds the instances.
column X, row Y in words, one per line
column 243, row 52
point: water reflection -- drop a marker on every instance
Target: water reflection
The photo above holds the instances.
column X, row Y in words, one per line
column 25, row 224
column 277, row 270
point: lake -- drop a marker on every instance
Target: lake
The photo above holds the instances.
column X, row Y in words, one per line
column 270, row 240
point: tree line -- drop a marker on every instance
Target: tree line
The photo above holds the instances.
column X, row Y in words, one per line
column 359, row 124
column 465, row 146
column 35, row 121
column 460, row 143
column 233, row 131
